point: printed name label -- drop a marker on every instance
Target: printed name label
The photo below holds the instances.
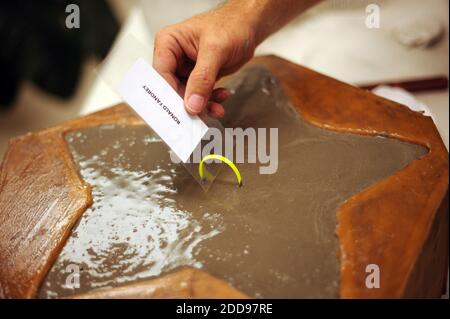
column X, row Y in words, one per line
column 160, row 106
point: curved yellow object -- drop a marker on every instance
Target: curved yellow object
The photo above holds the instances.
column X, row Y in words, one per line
column 203, row 172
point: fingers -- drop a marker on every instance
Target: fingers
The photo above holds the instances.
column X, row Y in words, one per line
column 220, row 95
column 170, row 60
column 214, row 106
column 201, row 81
column 166, row 55
column 215, row 109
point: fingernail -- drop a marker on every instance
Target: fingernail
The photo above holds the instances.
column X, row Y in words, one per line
column 195, row 103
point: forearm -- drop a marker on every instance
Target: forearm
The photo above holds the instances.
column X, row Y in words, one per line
column 267, row 16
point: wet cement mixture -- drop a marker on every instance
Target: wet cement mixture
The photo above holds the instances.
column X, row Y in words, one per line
column 273, row 237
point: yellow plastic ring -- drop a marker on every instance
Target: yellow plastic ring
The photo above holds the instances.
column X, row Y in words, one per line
column 203, row 172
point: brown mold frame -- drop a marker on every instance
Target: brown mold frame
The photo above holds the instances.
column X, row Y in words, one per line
column 408, row 241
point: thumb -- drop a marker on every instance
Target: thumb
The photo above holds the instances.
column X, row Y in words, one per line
column 201, row 81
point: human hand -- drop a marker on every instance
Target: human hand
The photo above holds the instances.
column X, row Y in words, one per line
column 194, row 54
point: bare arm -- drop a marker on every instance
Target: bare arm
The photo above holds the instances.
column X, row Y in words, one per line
column 193, row 54
column 268, row 16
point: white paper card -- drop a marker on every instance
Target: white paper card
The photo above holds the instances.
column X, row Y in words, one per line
column 161, row 108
